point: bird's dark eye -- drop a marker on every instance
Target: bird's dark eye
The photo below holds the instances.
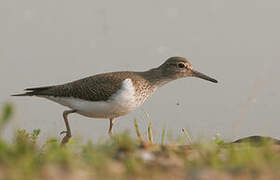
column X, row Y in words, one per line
column 181, row 65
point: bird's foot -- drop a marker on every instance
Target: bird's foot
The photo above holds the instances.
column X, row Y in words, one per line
column 63, row 132
column 110, row 133
column 66, row 138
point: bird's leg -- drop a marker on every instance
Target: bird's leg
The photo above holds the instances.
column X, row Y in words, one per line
column 110, row 132
column 68, row 130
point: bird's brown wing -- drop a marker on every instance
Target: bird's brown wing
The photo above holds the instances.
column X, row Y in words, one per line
column 95, row 88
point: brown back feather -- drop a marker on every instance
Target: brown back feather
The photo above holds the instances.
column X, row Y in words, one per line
column 95, row 88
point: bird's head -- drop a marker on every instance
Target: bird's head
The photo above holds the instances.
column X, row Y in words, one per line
column 179, row 67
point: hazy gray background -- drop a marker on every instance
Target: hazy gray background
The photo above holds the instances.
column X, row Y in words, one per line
column 237, row 42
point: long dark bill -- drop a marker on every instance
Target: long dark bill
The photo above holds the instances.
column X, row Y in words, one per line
column 203, row 76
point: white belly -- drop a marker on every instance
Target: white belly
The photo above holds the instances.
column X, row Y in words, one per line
column 120, row 103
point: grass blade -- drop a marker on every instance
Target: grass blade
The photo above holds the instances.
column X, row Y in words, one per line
column 137, row 130
column 163, row 135
column 150, row 131
column 187, row 135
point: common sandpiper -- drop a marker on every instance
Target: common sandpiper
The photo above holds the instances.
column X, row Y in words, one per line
column 114, row 94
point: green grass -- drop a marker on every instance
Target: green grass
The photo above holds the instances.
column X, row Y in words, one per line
column 124, row 157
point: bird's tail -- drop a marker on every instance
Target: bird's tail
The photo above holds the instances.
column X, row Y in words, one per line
column 23, row 94
column 33, row 91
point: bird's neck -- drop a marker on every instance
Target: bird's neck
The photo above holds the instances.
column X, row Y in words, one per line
column 156, row 77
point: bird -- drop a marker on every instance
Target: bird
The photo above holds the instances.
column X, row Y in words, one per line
column 114, row 94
